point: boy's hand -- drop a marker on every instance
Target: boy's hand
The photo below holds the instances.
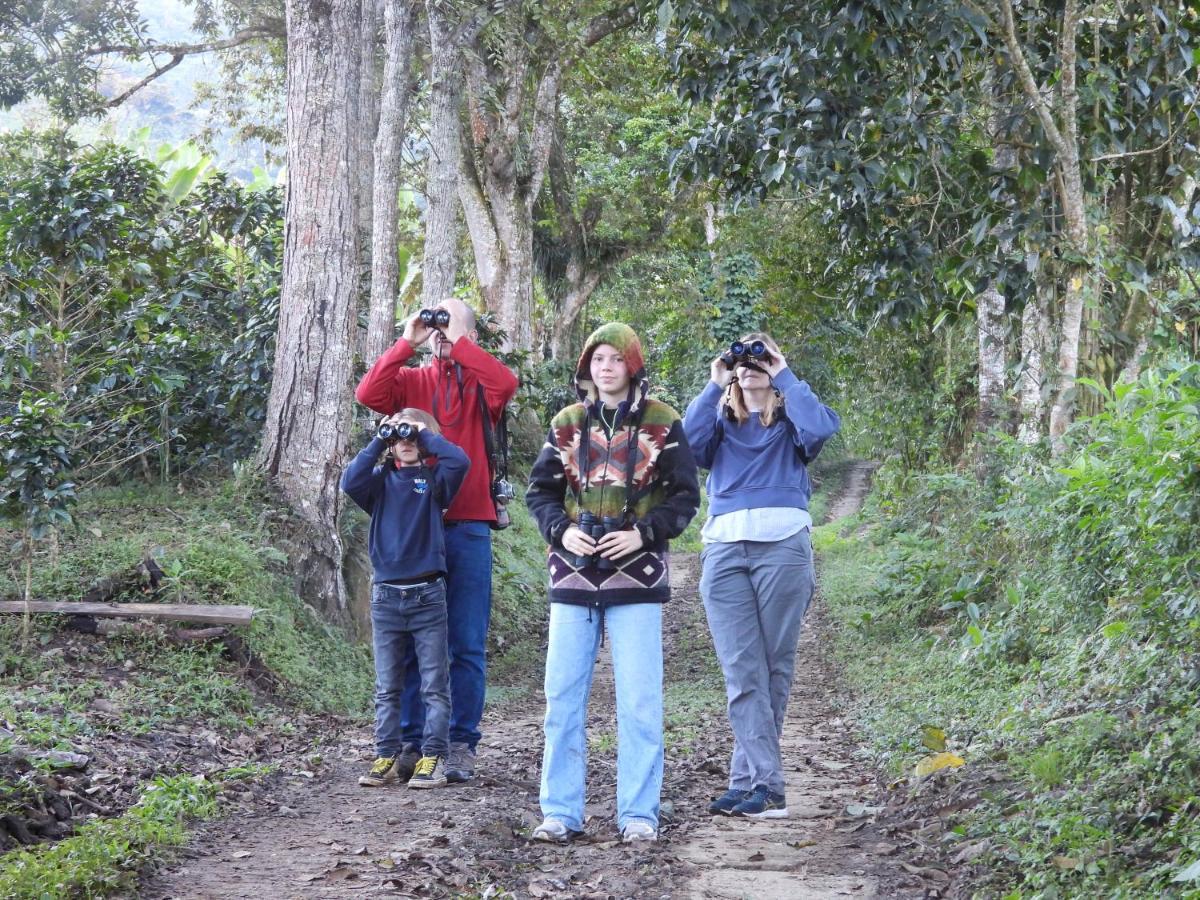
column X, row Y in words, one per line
column 575, row 541
column 617, row 544
column 416, row 332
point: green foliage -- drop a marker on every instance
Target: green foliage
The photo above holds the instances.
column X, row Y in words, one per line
column 104, row 856
column 145, row 301
column 1046, row 620
column 732, row 290
column 34, row 490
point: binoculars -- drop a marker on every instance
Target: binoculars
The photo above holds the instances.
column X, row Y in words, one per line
column 745, row 351
column 405, row 431
column 596, row 529
column 434, row 318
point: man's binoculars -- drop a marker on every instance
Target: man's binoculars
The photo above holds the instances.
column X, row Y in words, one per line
column 745, row 351
column 434, row 318
column 405, row 431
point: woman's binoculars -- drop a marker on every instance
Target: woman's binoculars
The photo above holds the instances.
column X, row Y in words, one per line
column 596, row 529
column 745, row 351
column 434, row 318
column 405, row 431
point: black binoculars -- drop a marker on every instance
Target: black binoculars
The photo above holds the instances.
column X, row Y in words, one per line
column 405, row 431
column 596, row 529
column 435, row 318
column 745, row 351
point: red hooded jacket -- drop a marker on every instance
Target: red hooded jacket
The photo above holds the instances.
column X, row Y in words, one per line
column 391, row 386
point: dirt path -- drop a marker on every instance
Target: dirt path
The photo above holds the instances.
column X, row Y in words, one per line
column 316, row 834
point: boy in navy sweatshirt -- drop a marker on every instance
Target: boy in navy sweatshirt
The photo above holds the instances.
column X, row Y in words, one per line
column 406, row 498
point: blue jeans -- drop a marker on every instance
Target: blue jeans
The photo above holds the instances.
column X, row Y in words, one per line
column 469, row 607
column 410, row 622
column 755, row 596
column 635, row 635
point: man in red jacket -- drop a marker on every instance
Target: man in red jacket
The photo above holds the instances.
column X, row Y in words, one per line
column 450, row 387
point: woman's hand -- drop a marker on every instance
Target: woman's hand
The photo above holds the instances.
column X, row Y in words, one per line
column 721, row 374
column 575, row 541
column 617, row 544
column 774, row 363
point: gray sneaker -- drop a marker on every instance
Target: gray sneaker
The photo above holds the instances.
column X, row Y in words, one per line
column 460, row 764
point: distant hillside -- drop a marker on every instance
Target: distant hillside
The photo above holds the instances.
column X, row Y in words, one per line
column 166, row 105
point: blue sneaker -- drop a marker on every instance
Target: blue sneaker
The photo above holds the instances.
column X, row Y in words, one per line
column 724, row 804
column 763, row 803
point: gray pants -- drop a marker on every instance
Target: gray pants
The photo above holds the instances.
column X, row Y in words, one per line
column 755, row 596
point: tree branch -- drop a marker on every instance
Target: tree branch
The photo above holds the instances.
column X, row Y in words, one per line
column 258, row 32
column 1025, row 75
column 157, row 73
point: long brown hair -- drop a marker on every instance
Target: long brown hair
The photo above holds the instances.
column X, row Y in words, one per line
column 733, row 405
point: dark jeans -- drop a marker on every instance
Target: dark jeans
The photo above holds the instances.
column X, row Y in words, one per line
column 469, row 605
column 410, row 623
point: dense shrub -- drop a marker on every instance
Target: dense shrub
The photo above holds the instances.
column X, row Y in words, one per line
column 1047, row 619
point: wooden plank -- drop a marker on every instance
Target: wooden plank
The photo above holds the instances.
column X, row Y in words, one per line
column 175, row 612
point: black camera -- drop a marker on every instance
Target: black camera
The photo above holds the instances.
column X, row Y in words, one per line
column 745, row 352
column 502, row 492
column 405, row 431
column 596, row 529
column 435, row 318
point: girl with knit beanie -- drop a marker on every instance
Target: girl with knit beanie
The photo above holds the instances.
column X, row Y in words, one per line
column 613, row 483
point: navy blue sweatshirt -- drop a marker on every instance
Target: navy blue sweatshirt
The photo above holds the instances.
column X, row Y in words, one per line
column 407, row 538
column 751, row 466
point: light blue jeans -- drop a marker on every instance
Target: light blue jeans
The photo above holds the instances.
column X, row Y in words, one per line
column 635, row 636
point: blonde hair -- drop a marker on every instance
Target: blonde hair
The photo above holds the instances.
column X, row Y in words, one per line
column 419, row 415
column 733, row 405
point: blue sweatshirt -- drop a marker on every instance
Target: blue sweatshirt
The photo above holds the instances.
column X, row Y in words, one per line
column 407, row 538
column 751, row 466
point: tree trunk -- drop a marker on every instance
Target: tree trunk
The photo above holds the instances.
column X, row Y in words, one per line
column 399, row 18
column 1035, row 338
column 580, row 286
column 308, row 413
column 440, row 266
column 368, row 113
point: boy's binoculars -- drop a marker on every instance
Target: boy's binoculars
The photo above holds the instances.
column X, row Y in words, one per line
column 745, row 351
column 434, row 318
column 405, row 431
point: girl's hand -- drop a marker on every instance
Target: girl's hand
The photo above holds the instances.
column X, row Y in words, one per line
column 617, row 544
column 720, row 373
column 575, row 541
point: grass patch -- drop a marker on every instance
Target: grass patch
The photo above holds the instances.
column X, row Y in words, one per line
column 212, row 542
column 104, row 856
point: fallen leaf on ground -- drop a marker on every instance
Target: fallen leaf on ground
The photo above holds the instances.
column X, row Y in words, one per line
column 861, row 809
column 936, row 762
column 241, row 854
column 757, row 857
column 1066, row 862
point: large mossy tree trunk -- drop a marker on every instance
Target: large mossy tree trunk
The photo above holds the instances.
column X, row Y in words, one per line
column 308, row 415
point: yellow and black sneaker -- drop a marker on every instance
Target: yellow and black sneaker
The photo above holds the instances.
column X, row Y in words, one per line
column 383, row 771
column 430, row 773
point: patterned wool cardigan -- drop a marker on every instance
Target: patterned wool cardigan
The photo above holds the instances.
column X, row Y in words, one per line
column 582, row 466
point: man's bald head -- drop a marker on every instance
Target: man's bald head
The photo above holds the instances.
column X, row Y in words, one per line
column 461, row 311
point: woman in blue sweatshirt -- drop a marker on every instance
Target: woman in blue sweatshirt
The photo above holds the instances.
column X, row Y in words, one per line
column 756, row 427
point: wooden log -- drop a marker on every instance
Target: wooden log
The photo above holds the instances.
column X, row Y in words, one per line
column 175, row 612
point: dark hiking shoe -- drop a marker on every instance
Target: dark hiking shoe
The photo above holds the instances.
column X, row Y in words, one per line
column 724, row 804
column 460, row 764
column 763, row 803
column 430, row 773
